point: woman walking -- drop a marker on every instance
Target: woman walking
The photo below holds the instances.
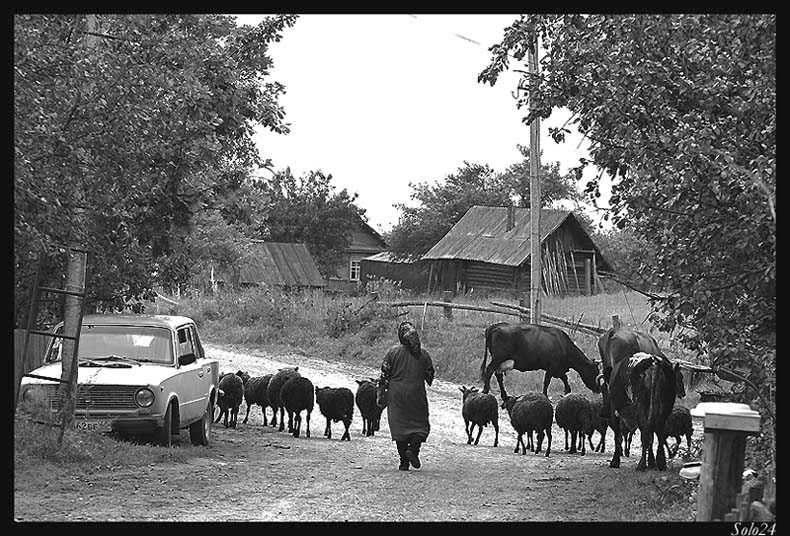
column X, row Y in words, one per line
column 406, row 368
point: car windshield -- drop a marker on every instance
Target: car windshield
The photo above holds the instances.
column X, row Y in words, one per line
column 114, row 343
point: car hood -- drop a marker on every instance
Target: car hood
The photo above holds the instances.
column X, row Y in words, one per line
column 143, row 374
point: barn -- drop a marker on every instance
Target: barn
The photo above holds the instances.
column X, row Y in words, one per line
column 489, row 249
column 284, row 265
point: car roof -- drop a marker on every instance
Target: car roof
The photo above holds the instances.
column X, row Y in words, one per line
column 168, row 321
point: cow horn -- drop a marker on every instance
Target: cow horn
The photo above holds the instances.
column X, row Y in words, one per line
column 599, row 379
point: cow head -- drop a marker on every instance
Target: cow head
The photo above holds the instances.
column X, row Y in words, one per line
column 589, row 374
column 680, row 387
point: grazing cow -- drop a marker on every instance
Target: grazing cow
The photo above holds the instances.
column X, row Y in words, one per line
column 619, row 343
column 526, row 347
column 641, row 389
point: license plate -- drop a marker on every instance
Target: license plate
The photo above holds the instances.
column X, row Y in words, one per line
column 100, row 425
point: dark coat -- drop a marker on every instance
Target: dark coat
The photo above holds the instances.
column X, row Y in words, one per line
column 404, row 377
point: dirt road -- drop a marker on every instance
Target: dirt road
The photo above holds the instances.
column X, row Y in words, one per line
column 256, row 473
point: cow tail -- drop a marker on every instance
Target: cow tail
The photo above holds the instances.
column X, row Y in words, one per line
column 485, row 352
column 655, row 402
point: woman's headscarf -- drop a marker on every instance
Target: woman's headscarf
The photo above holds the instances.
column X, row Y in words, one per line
column 408, row 337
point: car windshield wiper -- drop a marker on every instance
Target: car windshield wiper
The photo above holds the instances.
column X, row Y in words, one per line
column 114, row 357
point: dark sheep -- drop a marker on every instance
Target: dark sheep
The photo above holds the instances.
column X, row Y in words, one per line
column 229, row 396
column 255, row 393
column 678, row 424
column 336, row 404
column 273, row 394
column 296, row 395
column 574, row 415
column 528, row 414
column 599, row 423
column 366, row 402
column 479, row 409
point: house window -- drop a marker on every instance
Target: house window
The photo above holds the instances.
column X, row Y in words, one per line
column 354, row 271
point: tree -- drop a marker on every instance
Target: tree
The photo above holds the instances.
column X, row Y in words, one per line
column 441, row 205
column 150, row 124
column 681, row 113
column 308, row 210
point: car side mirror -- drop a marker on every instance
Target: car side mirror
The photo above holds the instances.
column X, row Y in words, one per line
column 186, row 359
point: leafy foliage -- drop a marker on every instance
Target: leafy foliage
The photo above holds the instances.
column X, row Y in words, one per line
column 442, row 204
column 125, row 127
column 681, row 113
column 308, row 210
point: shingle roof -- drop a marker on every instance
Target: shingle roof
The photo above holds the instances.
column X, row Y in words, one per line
column 481, row 235
column 281, row 264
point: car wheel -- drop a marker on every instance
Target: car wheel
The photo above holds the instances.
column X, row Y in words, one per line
column 164, row 435
column 200, row 431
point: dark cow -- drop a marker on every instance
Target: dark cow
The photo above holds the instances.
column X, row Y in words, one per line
column 619, row 343
column 526, row 347
column 640, row 389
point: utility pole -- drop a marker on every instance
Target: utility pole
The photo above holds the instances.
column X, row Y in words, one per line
column 534, row 190
column 75, row 283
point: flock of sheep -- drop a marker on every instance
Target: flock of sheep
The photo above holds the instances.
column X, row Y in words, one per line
column 575, row 415
column 287, row 391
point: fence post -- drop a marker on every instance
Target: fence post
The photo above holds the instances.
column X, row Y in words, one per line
column 726, row 427
column 448, row 298
column 523, row 301
column 616, row 321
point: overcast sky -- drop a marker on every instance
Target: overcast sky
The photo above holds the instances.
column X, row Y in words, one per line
column 379, row 101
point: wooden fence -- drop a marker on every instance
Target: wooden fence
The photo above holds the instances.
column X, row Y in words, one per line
column 36, row 346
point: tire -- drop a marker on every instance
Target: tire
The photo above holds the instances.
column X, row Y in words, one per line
column 200, row 431
column 164, row 435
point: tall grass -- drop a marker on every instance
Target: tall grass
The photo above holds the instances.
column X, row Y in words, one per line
column 358, row 329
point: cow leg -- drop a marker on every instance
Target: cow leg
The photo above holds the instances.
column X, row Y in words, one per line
column 646, row 460
column 519, row 441
column 247, row 415
column 479, row 431
column 500, row 379
column 539, row 441
column 564, row 378
column 546, row 381
column 328, row 429
column 618, row 443
column 661, row 459
column 487, row 376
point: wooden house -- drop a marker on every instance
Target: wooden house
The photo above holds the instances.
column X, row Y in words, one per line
column 490, row 248
column 283, row 265
column 365, row 241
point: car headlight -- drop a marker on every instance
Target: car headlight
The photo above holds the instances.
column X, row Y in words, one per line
column 144, row 397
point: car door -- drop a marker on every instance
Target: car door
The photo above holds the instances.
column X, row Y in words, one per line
column 194, row 380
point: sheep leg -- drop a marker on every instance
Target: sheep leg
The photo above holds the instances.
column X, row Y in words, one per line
column 347, row 435
column 308, row 425
column 496, row 430
column 282, row 420
column 263, row 410
column 530, row 443
column 364, row 427
column 274, row 416
column 584, row 448
column 548, row 446
column 688, row 442
column 468, row 431
column 479, row 431
column 247, row 415
column 296, row 423
column 573, row 441
column 566, row 438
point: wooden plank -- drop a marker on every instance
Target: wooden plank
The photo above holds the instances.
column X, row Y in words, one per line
column 749, row 423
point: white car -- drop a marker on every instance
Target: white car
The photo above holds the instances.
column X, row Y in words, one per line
column 138, row 374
